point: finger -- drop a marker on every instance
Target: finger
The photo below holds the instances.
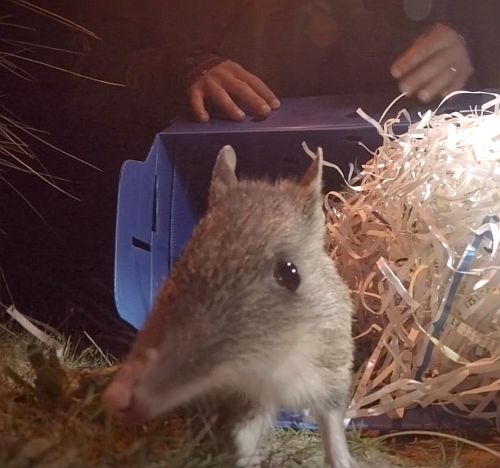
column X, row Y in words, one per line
column 437, row 85
column 260, row 88
column 456, row 85
column 245, row 94
column 422, row 49
column 224, row 101
column 197, row 102
column 438, row 64
column 450, row 80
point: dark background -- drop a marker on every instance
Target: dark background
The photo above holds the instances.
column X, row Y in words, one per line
column 60, row 269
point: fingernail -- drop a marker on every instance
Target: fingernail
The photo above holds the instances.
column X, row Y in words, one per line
column 396, row 72
column 204, row 117
column 241, row 115
column 264, row 109
column 275, row 104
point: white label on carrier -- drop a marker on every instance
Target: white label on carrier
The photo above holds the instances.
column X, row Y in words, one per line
column 474, row 336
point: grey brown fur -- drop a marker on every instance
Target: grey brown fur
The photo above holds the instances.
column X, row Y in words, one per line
column 222, row 323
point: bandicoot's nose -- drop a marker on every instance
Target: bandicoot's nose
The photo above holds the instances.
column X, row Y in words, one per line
column 123, row 398
column 124, row 403
column 117, row 397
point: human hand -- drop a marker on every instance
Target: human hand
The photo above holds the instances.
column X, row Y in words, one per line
column 226, row 84
column 435, row 65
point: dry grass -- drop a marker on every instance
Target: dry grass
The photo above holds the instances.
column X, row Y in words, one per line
column 51, row 416
column 16, row 136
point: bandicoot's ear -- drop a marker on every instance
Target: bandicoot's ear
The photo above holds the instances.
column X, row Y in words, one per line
column 223, row 174
column 312, row 182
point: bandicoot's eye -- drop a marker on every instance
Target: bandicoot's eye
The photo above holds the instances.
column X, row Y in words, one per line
column 287, row 275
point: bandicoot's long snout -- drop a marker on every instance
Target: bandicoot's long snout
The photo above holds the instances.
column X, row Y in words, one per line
column 123, row 398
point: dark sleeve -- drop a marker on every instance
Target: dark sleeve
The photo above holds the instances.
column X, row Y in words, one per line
column 141, row 65
column 155, row 46
column 126, row 51
column 200, row 31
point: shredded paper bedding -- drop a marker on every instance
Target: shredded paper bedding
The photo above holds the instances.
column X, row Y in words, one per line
column 416, row 234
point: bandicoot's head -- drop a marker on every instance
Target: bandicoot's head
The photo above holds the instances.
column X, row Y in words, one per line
column 248, row 288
